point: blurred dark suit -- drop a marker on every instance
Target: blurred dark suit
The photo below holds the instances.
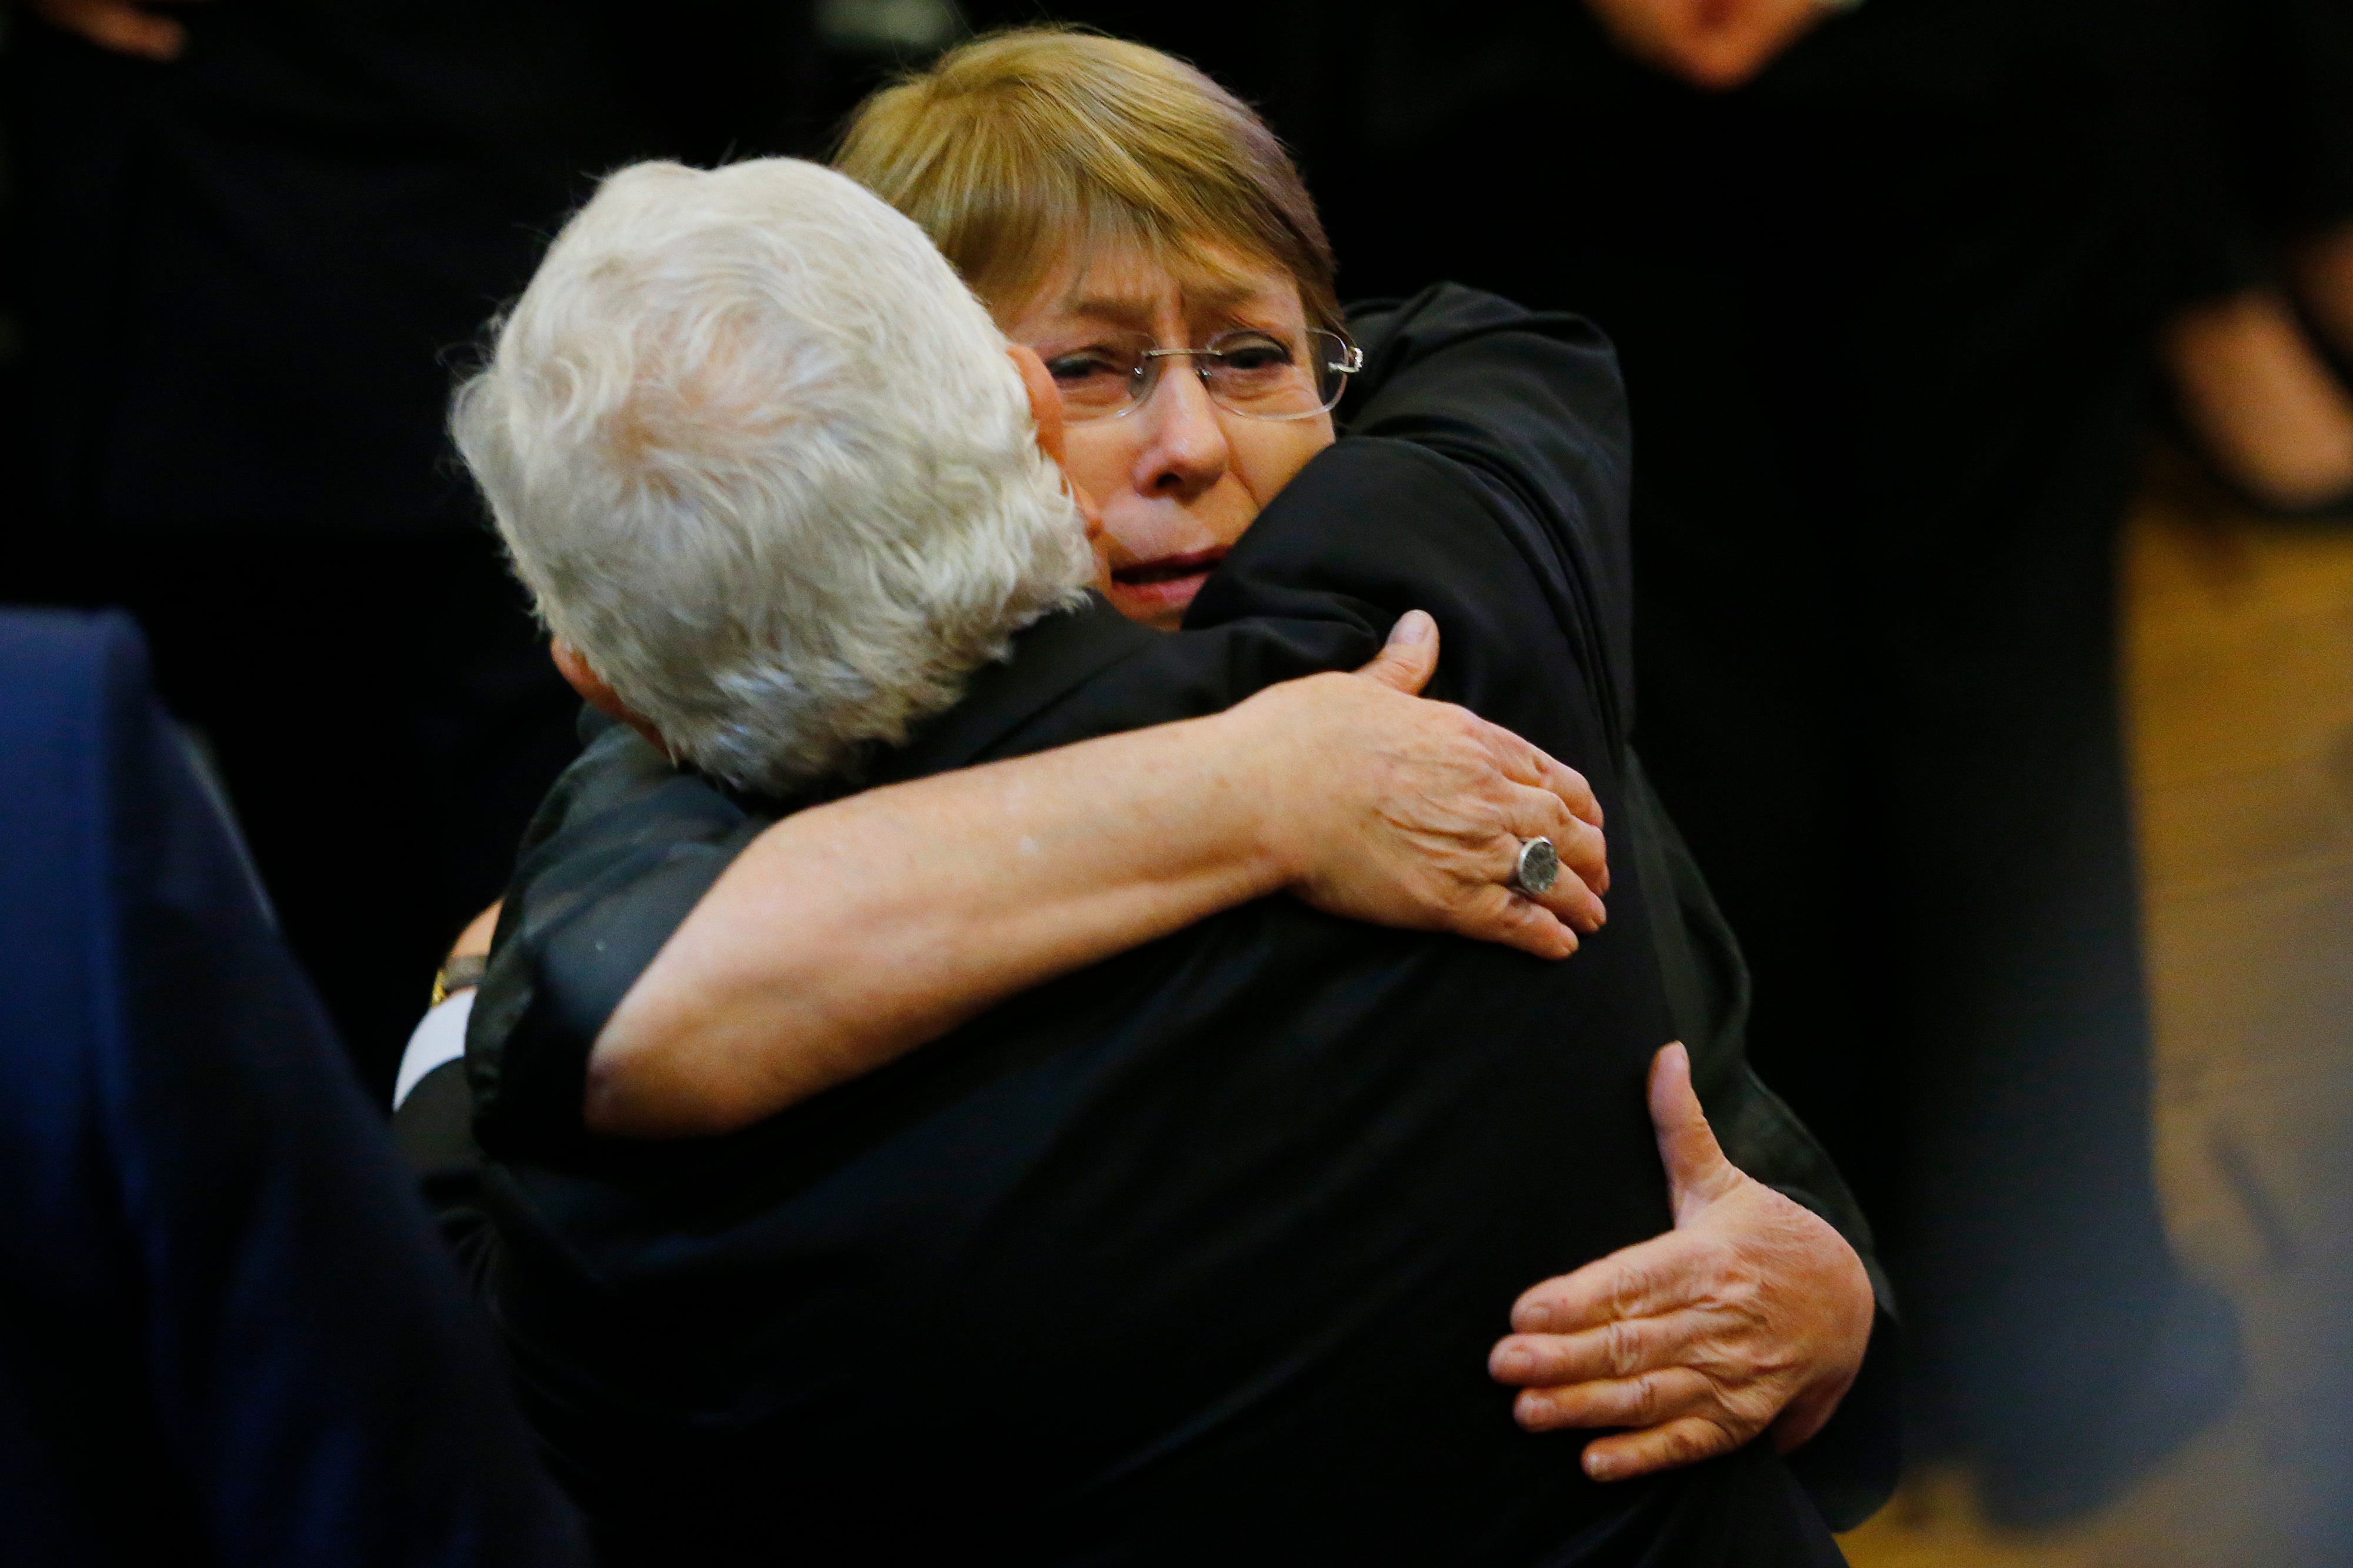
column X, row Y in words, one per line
column 228, row 1334
column 243, row 277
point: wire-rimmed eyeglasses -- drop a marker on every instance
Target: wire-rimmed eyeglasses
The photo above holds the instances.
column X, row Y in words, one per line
column 1255, row 373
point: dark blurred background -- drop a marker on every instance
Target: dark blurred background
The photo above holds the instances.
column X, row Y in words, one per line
column 1934, row 322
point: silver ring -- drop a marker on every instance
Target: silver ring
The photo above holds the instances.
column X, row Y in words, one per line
column 1537, row 868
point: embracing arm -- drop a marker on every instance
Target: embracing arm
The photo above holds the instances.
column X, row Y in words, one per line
column 1757, row 1311
column 847, row 934
column 1764, row 1308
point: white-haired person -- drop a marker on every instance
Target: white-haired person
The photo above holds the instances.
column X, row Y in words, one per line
column 1197, row 1235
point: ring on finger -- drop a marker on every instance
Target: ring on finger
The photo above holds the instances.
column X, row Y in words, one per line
column 1536, row 868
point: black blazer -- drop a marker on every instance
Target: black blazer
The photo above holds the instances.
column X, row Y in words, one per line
column 1196, row 1254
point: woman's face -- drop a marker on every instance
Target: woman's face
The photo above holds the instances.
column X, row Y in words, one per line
column 1178, row 479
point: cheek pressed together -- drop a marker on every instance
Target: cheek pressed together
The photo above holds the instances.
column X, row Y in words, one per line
column 1180, row 474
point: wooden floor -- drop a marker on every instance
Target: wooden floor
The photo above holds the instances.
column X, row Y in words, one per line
column 2238, row 657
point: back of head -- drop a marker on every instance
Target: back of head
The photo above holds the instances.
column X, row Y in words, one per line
column 1014, row 148
column 761, row 458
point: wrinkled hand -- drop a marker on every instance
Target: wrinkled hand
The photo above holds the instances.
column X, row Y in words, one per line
column 1752, row 1312
column 1384, row 807
column 119, row 25
column 1709, row 43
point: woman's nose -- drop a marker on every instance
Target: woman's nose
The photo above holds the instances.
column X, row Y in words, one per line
column 1183, row 441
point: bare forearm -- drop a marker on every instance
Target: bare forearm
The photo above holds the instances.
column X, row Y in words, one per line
column 853, row 932
column 849, row 934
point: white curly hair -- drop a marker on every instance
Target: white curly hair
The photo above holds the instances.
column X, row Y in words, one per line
column 761, row 459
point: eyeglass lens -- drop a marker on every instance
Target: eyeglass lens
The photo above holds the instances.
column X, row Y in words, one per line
column 1260, row 374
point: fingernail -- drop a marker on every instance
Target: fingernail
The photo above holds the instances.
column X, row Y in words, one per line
column 1601, row 1467
column 1515, row 1360
column 1413, row 627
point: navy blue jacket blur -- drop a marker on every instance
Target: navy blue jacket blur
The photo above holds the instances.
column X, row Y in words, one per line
column 226, row 1331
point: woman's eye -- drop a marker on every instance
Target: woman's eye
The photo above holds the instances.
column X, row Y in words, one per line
column 1254, row 354
column 1096, row 380
column 1085, row 364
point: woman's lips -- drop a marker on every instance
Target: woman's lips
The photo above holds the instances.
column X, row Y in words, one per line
column 1198, row 563
column 1171, row 580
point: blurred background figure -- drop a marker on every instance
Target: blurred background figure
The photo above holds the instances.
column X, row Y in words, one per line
column 2259, row 359
column 230, row 1336
column 248, row 241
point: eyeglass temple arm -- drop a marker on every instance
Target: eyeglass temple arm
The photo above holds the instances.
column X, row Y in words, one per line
column 1352, row 358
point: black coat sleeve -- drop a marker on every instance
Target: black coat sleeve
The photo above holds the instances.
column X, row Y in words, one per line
column 1528, row 403
column 622, row 849
column 1852, row 1466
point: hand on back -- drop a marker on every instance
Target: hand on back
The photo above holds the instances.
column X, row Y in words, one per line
column 1752, row 1313
column 1388, row 808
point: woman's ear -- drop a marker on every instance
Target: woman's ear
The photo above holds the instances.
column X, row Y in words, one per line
column 595, row 691
column 1046, row 407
